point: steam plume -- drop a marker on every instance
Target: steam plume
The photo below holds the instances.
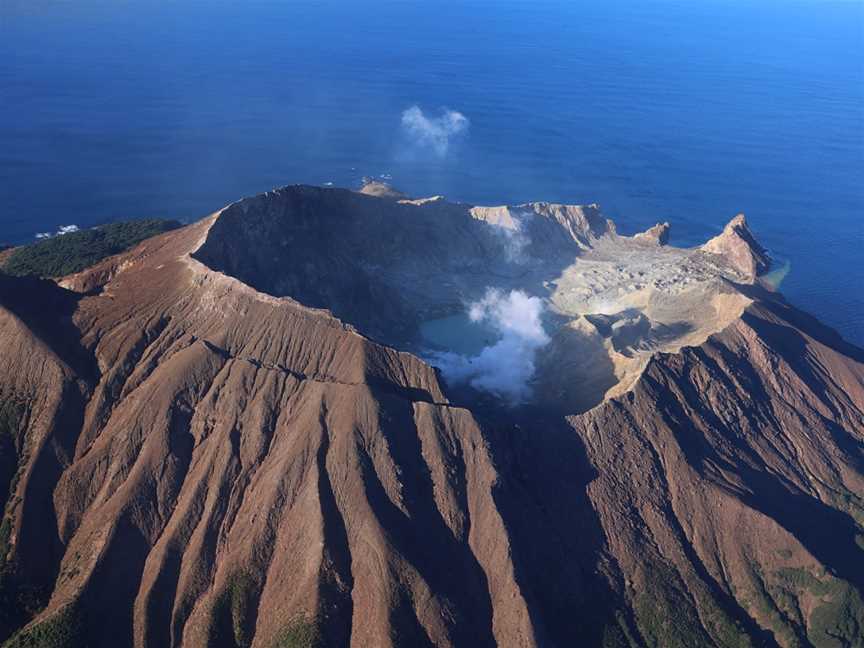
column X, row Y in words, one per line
column 516, row 240
column 433, row 133
column 506, row 367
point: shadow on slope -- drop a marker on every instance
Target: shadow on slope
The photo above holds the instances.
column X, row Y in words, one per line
column 32, row 568
column 47, row 309
column 566, row 576
column 451, row 570
column 828, row 534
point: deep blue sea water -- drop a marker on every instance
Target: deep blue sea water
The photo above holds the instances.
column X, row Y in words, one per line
column 688, row 111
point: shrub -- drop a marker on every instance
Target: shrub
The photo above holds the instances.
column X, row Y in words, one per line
column 73, row 252
column 63, row 630
column 232, row 613
column 300, row 633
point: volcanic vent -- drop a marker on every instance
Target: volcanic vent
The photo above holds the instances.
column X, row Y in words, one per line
column 538, row 302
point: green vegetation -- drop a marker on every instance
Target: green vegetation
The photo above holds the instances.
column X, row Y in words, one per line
column 69, row 253
column 232, row 613
column 845, row 500
column 838, row 620
column 763, row 602
column 233, row 619
column 5, row 534
column 10, row 606
column 725, row 630
column 19, row 600
column 64, row 630
column 617, row 635
column 664, row 613
column 10, row 418
column 300, row 633
column 669, row 613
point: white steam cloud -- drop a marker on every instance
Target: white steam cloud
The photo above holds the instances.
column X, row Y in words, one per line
column 516, row 241
column 433, row 133
column 506, row 367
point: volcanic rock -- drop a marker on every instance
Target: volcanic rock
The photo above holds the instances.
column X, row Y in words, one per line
column 229, row 436
column 738, row 245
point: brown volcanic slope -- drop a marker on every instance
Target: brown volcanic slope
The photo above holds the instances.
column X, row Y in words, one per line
column 190, row 461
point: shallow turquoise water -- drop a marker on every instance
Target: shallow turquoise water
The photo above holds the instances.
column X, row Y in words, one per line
column 457, row 333
column 688, row 111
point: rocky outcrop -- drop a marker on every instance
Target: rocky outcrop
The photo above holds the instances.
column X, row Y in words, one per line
column 381, row 190
column 197, row 462
column 738, row 245
column 657, row 234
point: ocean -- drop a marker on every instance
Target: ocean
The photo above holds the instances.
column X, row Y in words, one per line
column 688, row 111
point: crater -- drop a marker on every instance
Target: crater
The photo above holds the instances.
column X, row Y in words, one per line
column 539, row 303
column 458, row 334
